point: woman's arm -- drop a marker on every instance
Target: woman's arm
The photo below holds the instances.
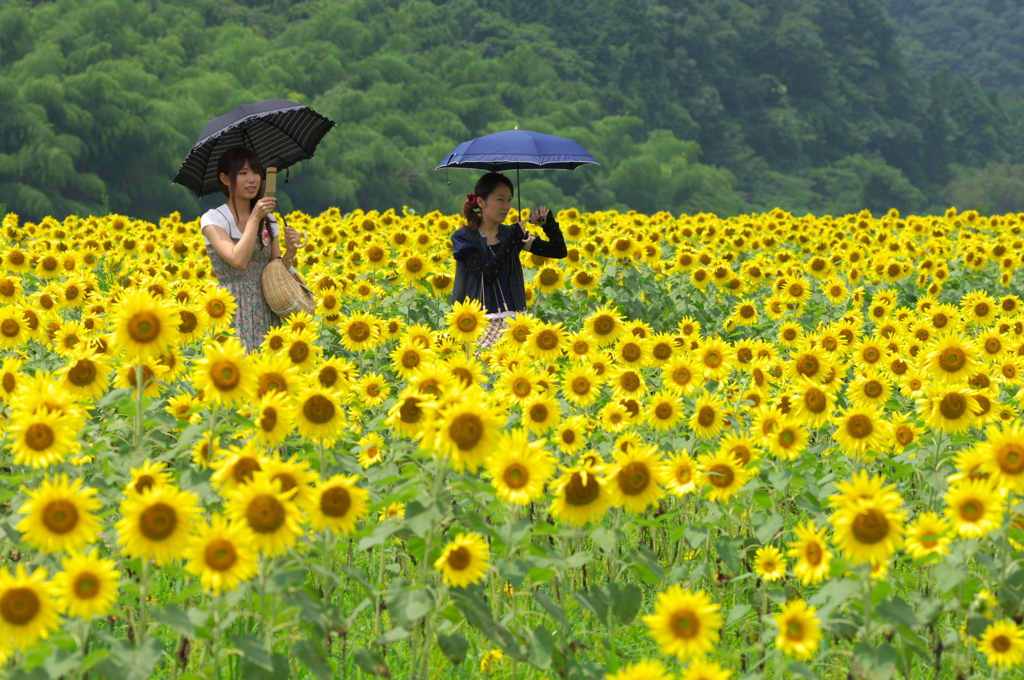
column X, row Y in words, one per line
column 554, row 246
column 239, row 254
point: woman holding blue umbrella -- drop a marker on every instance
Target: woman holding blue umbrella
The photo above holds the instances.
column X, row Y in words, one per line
column 486, row 251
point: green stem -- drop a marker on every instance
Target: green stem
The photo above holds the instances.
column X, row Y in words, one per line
column 140, row 631
column 866, row 634
column 138, row 406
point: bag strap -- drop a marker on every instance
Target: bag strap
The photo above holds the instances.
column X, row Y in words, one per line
column 504, row 303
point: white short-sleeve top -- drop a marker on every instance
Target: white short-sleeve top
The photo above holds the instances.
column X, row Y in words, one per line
column 225, row 219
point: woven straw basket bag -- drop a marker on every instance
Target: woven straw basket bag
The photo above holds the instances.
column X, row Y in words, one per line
column 286, row 293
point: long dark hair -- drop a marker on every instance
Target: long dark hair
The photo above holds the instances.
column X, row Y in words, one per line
column 231, row 163
column 485, row 186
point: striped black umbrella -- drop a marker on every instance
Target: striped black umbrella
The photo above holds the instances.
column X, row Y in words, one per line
column 278, row 131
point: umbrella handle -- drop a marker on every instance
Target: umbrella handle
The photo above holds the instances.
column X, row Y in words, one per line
column 305, row 238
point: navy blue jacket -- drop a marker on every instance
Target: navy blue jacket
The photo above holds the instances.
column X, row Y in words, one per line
column 498, row 266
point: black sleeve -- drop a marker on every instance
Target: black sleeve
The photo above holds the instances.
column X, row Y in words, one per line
column 554, row 246
column 490, row 269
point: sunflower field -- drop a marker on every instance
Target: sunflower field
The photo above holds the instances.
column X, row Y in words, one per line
column 759, row 447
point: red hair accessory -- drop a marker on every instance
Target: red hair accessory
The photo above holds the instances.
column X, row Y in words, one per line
column 471, row 199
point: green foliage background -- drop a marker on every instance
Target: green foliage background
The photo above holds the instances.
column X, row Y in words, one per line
column 728, row 106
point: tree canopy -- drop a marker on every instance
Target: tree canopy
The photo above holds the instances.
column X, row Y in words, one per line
column 727, row 107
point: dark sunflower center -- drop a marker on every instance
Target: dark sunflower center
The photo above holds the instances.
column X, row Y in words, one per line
column 579, row 493
column 18, row 606
column 335, row 501
column 60, row 516
column 870, row 526
column 158, row 521
column 318, row 409
column 466, row 430
column 721, row 475
column 265, row 514
column 634, row 478
column 859, row 426
column 220, row 555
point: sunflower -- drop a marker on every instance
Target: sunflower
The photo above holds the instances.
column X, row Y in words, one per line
column 274, row 418
column 294, row 477
column 333, row 373
column 520, row 327
column 769, row 564
column 275, row 340
column 605, row 325
column 869, row 529
column 861, row 432
column 788, row 439
column 150, row 475
column 680, row 374
column 799, row 630
column 371, row 449
column 409, row 356
column 10, row 377
column 519, row 383
column 319, row 413
column 541, row 413
column 636, row 478
column 950, row 359
column 59, row 515
column 614, row 417
column 237, row 467
column 519, row 469
column 680, row 474
column 372, row 389
column 1003, row 642
column 664, row 410
column 433, row 380
column 951, row 410
column 811, row 363
column 191, row 322
column 29, row 611
column 571, row 435
column 685, row 624
column 703, row 669
column 466, row 321
column 359, row 332
column 722, row 474
column 88, row 585
column 581, row 495
column 627, row 382
column 301, row 349
column 709, row 416
column 153, row 374
column 41, row 437
column 411, row 413
column 464, row 561
column 224, row 374
column 144, row 326
column 14, row 330
column 975, row 507
column 927, row 535
column 547, row 342
column 338, row 505
column 811, row 404
column 869, row 390
column 580, row 385
column 714, row 358
column 220, row 555
column 268, row 511
column 813, row 558
column 466, row 369
column 1004, row 453
column 468, row 428
column 648, row 669
column 156, row 524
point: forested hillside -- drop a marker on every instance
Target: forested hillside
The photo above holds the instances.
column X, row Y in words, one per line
column 981, row 39
column 727, row 106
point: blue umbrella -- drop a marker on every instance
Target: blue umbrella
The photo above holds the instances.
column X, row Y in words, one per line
column 518, row 149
